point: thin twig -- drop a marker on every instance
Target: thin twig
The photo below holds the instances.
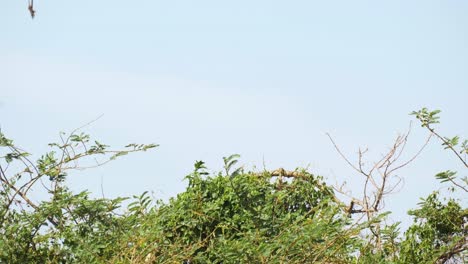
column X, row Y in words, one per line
column 448, row 145
column 341, row 154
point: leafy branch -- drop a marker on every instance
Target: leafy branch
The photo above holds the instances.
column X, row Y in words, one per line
column 427, row 119
column 54, row 166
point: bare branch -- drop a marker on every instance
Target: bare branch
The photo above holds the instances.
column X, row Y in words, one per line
column 414, row 157
column 341, row 154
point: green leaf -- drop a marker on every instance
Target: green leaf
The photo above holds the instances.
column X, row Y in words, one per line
column 446, row 176
column 119, row 154
column 5, row 142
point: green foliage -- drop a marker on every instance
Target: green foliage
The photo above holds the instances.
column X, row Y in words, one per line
column 446, row 176
column 439, row 230
column 234, row 216
column 247, row 218
column 82, row 230
column 63, row 227
column 427, row 117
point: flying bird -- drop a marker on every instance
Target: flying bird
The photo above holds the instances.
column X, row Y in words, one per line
column 31, row 8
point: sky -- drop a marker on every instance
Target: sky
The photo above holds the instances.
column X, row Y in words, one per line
column 264, row 79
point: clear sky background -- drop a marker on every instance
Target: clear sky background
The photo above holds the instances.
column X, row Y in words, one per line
column 206, row 79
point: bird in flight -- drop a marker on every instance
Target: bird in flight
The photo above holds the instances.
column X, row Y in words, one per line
column 31, row 8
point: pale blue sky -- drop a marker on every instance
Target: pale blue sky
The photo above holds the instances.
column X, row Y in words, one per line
column 205, row 79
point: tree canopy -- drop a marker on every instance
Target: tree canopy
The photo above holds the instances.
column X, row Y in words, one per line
column 234, row 216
